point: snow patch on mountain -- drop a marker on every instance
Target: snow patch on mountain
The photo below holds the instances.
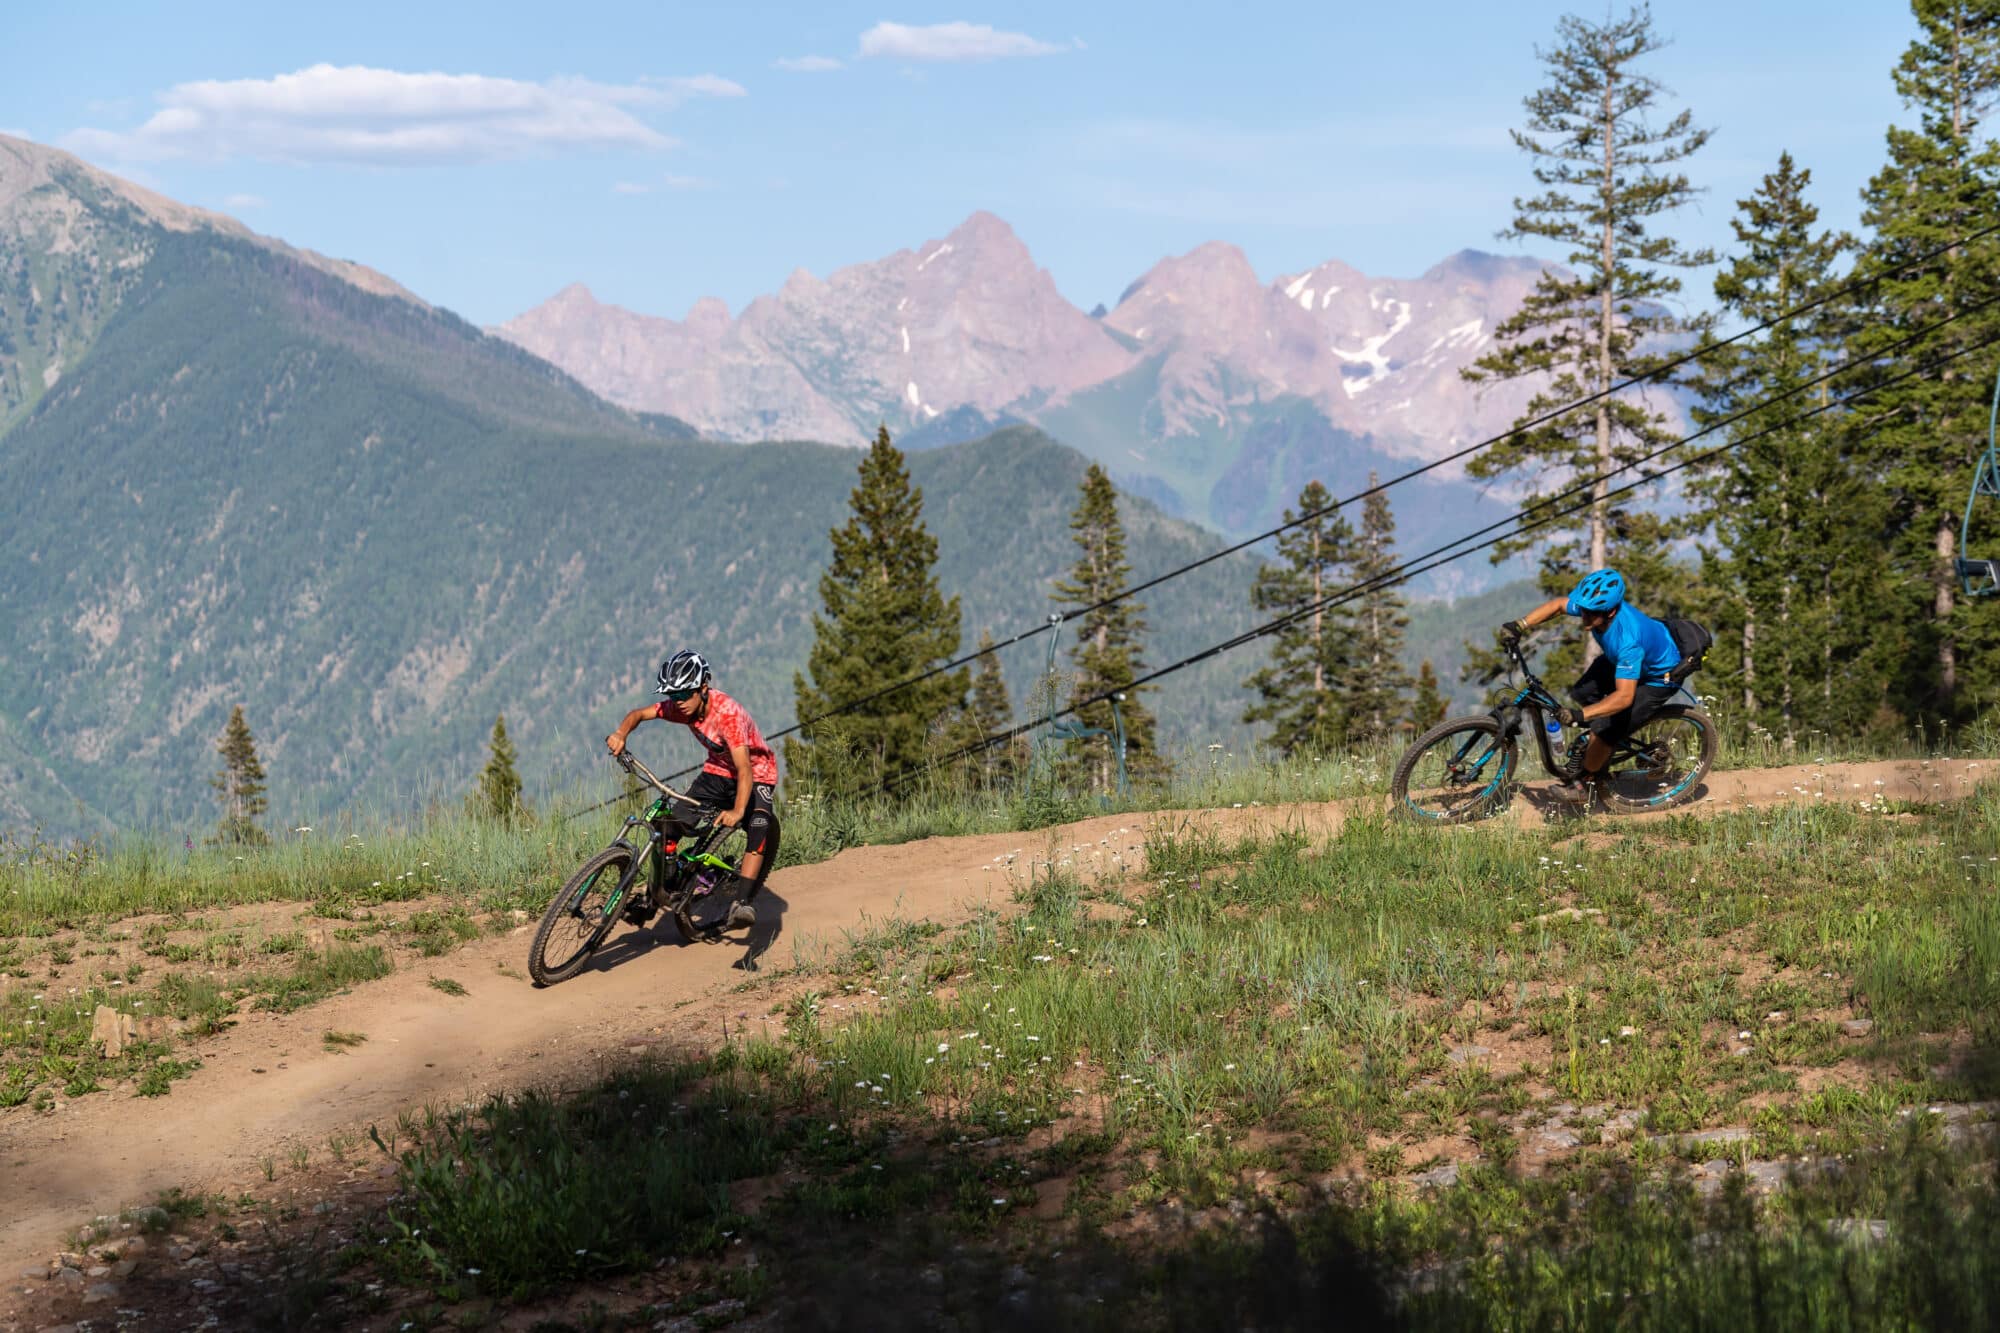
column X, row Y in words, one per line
column 1371, row 354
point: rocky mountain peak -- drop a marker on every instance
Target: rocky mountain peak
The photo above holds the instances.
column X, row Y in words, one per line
column 1202, row 293
column 710, row 312
column 576, row 296
column 983, row 230
column 969, row 321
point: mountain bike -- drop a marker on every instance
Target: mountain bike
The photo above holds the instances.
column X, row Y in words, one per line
column 673, row 858
column 1461, row 769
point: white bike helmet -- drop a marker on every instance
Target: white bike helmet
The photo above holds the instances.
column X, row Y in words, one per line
column 685, row 670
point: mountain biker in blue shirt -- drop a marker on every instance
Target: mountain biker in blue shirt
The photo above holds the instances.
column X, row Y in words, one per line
column 1623, row 687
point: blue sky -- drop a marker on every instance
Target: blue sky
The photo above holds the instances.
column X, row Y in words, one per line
column 665, row 151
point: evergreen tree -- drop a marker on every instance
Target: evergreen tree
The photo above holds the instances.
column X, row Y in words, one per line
column 991, row 712
column 1429, row 706
column 497, row 794
column 239, row 786
column 1108, row 653
column 1300, row 694
column 1376, row 688
column 1608, row 176
column 1924, row 435
column 884, row 620
column 1791, row 518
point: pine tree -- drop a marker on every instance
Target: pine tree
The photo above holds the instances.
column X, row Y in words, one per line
column 1790, row 515
column 988, row 713
column 1376, row 687
column 1924, row 435
column 884, row 620
column 1108, row 653
column 1429, row 706
column 1608, row 176
column 497, row 794
column 1300, row 695
column 239, row 786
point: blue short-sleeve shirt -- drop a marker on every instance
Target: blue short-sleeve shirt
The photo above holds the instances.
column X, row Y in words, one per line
column 1639, row 646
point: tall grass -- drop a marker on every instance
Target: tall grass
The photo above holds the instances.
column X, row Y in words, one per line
column 372, row 856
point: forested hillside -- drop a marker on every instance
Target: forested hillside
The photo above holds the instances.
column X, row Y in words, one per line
column 376, row 528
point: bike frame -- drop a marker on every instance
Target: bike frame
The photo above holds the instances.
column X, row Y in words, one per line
column 647, row 852
column 1536, row 701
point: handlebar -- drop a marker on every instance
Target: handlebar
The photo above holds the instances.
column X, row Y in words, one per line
column 1517, row 659
column 631, row 765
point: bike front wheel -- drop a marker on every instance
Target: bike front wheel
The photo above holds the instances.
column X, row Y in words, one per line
column 1664, row 762
column 1454, row 773
column 581, row 916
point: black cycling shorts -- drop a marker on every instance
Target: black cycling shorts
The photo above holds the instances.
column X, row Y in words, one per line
column 760, row 821
column 1597, row 683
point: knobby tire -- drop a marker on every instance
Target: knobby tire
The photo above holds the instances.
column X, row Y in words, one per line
column 1481, row 797
column 1632, row 788
column 577, row 918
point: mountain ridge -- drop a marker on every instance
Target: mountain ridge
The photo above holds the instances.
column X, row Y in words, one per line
column 967, row 323
column 376, row 527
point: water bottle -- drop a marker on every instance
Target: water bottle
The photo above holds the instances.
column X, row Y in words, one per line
column 1555, row 730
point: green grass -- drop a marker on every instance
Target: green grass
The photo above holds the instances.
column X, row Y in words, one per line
column 348, row 867
column 1272, row 1028
column 1272, row 1011
column 315, row 976
column 346, row 870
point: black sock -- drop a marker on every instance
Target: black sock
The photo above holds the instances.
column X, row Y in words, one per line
column 746, row 888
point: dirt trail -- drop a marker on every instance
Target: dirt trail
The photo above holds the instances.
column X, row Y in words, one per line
column 266, row 1084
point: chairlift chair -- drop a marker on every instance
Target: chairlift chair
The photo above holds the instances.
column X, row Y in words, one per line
column 1980, row 575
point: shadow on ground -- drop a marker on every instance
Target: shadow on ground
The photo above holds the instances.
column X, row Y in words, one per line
column 630, row 944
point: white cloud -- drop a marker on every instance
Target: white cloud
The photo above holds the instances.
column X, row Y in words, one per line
column 245, row 201
column 15, row 134
column 353, row 113
column 696, row 85
column 806, row 64
column 951, row 41
column 667, row 182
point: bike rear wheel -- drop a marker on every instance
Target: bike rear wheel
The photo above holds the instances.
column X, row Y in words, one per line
column 700, row 898
column 1454, row 773
column 582, row 914
column 1663, row 764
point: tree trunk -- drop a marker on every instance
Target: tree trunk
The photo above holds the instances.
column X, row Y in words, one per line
column 1946, row 585
column 1600, row 489
column 1750, row 660
column 1785, row 662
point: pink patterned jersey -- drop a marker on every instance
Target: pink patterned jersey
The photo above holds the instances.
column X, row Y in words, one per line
column 727, row 723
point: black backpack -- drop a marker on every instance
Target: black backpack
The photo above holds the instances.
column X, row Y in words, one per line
column 1693, row 640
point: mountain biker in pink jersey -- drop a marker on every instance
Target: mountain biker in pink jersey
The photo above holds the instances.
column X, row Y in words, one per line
column 740, row 777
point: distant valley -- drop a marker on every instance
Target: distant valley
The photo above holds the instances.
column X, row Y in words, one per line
column 233, row 472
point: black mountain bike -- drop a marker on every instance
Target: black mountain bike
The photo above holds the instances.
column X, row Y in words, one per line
column 1463, row 768
column 673, row 858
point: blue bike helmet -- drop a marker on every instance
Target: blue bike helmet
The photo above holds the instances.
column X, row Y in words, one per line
column 1600, row 590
